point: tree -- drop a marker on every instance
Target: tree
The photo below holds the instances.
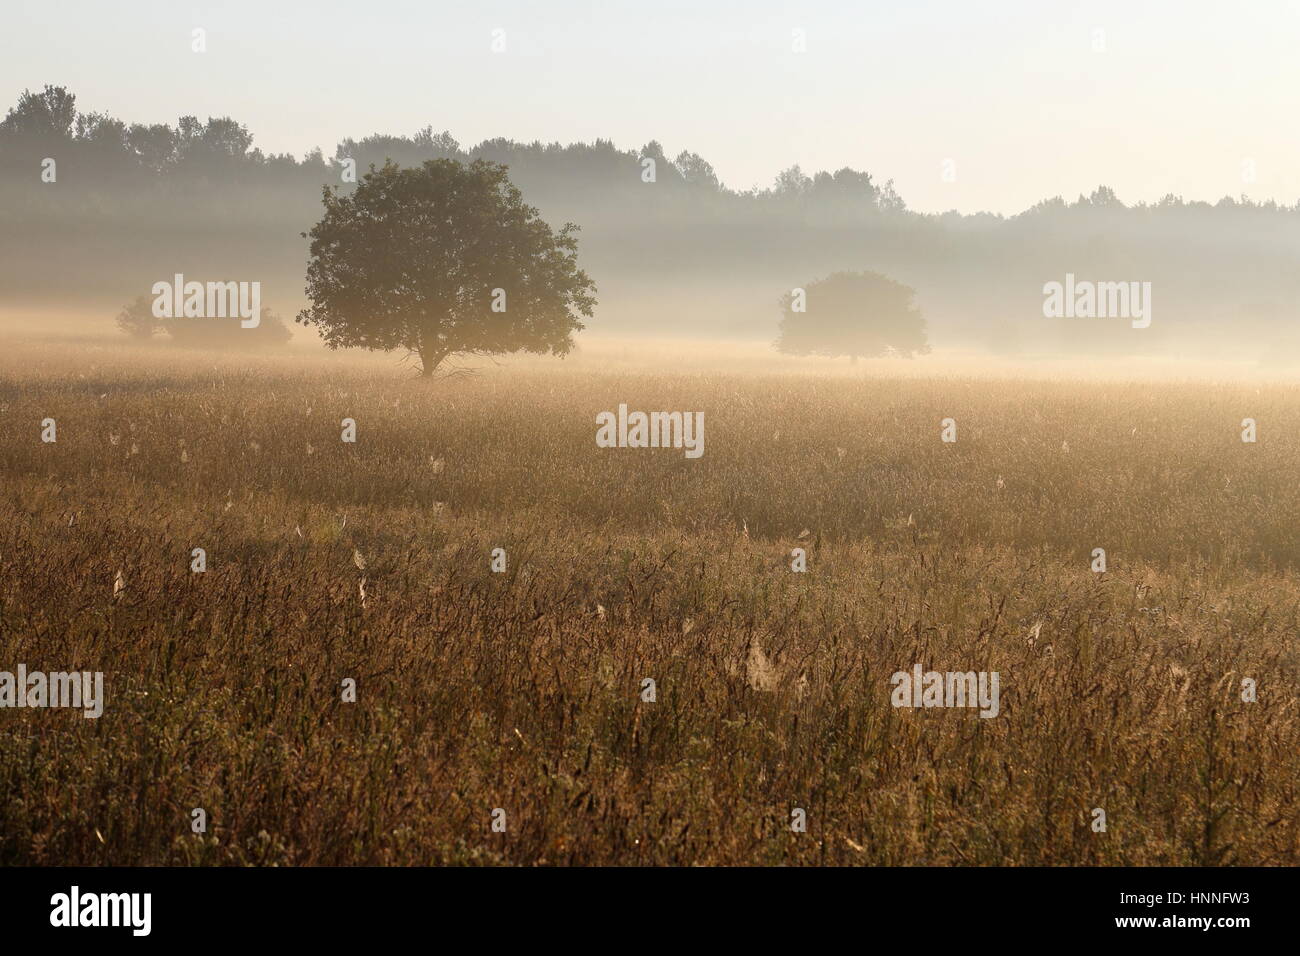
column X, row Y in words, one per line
column 227, row 332
column 46, row 115
column 443, row 259
column 136, row 318
column 696, row 171
column 153, row 146
column 792, row 182
column 853, row 314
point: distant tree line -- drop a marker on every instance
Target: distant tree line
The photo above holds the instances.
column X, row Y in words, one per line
column 48, row 123
column 135, row 202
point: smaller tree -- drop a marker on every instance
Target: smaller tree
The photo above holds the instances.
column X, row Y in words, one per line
column 227, row 333
column 138, row 321
column 136, row 318
column 854, row 314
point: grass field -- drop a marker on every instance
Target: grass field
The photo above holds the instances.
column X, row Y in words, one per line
column 522, row 690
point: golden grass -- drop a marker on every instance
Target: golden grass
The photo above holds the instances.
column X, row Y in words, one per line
column 521, row 690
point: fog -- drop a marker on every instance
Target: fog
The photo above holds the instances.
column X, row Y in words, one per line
column 134, row 200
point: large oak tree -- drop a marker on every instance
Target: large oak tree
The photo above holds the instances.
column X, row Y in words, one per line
column 417, row 258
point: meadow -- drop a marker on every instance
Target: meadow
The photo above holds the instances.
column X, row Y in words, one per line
column 522, row 690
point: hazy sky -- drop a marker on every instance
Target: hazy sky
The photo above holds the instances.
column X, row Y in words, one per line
column 1186, row 96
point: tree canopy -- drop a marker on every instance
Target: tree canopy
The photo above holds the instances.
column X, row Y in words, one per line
column 137, row 320
column 854, row 314
column 443, row 259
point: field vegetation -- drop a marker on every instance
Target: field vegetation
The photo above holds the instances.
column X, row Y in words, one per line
column 522, row 690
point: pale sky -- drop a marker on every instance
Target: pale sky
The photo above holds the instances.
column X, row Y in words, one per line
column 1187, row 96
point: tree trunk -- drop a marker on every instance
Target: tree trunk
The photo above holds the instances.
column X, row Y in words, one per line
column 430, row 359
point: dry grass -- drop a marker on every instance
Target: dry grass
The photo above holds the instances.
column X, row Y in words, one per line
column 521, row 690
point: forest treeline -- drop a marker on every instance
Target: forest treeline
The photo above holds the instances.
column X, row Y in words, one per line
column 131, row 203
